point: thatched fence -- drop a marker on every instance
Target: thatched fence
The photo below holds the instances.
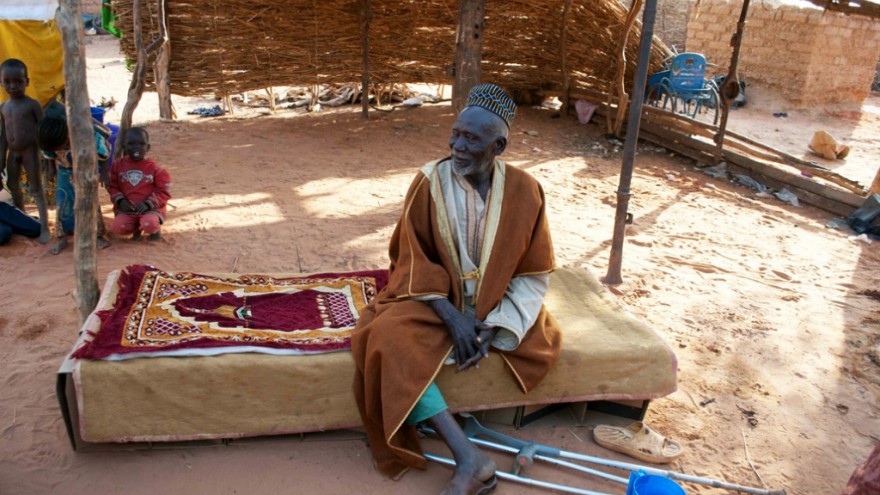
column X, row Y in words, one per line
column 232, row 46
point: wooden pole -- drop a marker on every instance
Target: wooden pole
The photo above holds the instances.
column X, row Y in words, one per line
column 615, row 124
column 68, row 18
column 566, row 77
column 163, row 82
column 366, row 19
column 621, row 217
column 875, row 186
column 730, row 89
column 468, row 51
column 270, row 91
column 139, row 78
column 160, row 73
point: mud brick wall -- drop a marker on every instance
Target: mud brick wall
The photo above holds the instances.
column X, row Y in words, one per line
column 802, row 54
column 671, row 22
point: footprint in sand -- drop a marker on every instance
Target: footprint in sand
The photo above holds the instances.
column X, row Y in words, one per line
column 30, row 330
column 781, row 275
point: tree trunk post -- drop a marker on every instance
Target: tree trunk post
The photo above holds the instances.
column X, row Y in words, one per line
column 366, row 19
column 615, row 123
column 139, row 77
column 730, row 89
column 85, row 161
column 468, row 51
column 566, row 77
column 163, row 80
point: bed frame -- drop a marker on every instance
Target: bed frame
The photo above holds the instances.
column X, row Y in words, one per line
column 610, row 361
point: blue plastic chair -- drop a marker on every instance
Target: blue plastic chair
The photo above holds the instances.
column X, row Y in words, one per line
column 684, row 87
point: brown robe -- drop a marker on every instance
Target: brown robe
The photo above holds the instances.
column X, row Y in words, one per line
column 400, row 344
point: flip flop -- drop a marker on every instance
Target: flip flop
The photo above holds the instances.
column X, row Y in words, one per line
column 477, row 487
column 639, row 441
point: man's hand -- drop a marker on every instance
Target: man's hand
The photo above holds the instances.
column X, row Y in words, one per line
column 470, row 337
column 142, row 207
column 125, row 206
column 483, row 341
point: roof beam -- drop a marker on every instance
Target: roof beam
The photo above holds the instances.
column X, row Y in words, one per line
column 850, row 7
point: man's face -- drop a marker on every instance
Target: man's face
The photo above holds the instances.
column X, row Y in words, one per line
column 136, row 145
column 473, row 144
column 14, row 81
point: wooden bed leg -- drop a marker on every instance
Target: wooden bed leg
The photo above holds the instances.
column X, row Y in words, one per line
column 522, row 419
column 625, row 410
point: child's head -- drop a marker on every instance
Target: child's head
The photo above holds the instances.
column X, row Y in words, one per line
column 137, row 143
column 52, row 128
column 14, row 77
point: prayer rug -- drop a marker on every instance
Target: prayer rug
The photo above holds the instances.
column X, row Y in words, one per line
column 159, row 313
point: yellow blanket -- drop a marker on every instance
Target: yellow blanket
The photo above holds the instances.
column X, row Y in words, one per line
column 38, row 45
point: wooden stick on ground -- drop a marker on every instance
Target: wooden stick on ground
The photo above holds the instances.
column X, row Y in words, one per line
column 749, row 458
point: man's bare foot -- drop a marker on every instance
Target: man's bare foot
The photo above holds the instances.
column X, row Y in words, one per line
column 103, row 243
column 45, row 237
column 59, row 246
column 464, row 484
column 136, row 236
column 155, row 236
column 475, row 477
column 474, row 470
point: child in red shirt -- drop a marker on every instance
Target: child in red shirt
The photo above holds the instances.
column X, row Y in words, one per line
column 139, row 189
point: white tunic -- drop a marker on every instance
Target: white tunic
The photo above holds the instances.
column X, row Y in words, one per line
column 469, row 223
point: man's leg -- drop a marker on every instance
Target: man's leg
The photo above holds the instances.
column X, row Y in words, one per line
column 18, row 222
column 473, row 468
column 35, row 180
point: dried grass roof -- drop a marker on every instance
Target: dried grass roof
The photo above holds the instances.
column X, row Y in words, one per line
column 230, row 46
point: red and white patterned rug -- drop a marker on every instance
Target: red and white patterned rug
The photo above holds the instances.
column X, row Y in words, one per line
column 160, row 313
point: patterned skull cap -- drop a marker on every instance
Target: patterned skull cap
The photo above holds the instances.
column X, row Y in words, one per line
column 492, row 98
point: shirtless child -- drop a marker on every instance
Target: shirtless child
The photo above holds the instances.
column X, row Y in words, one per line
column 18, row 140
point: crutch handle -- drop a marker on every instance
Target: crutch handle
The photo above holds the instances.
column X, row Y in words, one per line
column 525, row 457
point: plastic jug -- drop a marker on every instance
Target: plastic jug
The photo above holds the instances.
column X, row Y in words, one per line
column 641, row 483
column 98, row 113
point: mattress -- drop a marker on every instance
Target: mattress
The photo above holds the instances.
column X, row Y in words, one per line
column 607, row 354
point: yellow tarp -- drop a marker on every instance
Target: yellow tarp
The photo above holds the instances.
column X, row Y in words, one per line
column 38, row 45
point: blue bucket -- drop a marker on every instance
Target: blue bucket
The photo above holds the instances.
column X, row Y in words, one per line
column 98, row 113
column 114, row 131
column 641, row 483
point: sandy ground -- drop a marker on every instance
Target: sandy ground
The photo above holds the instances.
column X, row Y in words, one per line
column 774, row 317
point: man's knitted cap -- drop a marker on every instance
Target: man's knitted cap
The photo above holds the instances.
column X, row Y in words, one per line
column 492, row 98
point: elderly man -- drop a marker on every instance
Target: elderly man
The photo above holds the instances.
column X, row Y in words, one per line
column 470, row 264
